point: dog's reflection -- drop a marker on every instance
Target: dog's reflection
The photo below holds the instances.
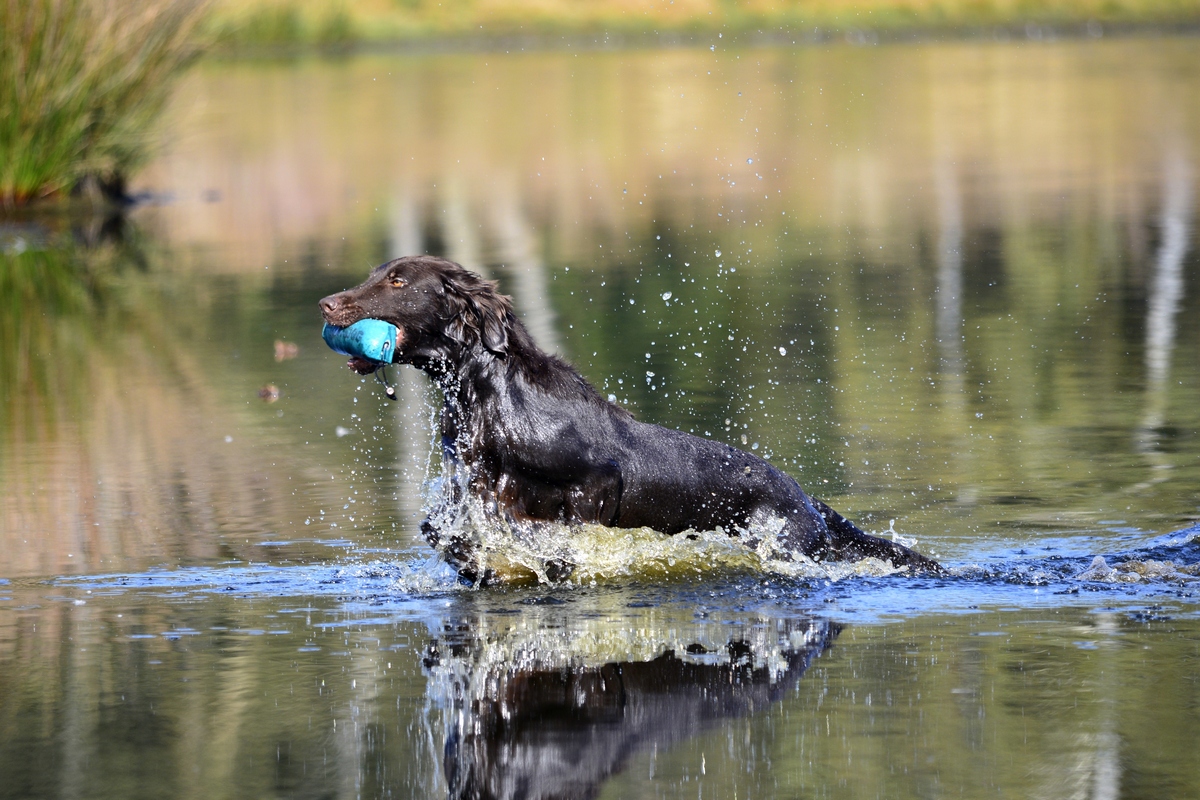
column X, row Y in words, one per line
column 537, row 710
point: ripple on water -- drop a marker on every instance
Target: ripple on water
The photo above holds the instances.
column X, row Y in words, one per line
column 716, row 568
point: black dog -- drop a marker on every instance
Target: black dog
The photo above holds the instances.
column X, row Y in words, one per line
column 538, row 442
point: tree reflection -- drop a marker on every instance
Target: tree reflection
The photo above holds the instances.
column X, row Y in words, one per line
column 1166, row 292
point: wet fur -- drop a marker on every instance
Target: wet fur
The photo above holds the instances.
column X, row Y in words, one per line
column 538, row 442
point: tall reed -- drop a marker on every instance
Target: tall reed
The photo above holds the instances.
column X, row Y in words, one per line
column 80, row 83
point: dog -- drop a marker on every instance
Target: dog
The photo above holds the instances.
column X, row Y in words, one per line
column 536, row 442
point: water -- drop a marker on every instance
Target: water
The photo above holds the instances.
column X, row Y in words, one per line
column 951, row 288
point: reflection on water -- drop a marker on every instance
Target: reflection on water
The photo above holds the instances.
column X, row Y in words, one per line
column 549, row 706
column 627, row 692
column 951, row 288
column 1167, row 289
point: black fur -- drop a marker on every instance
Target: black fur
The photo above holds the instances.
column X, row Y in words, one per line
column 539, row 442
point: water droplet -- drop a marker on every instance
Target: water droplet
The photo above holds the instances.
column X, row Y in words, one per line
column 666, row 296
column 783, row 351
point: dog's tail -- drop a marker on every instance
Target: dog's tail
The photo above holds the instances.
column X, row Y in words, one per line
column 850, row 543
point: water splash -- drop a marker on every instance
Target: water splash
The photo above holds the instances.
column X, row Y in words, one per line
column 1134, row 571
column 518, row 553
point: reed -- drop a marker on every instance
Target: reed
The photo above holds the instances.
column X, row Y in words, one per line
column 81, row 81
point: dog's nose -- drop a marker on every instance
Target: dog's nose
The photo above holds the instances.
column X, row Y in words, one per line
column 329, row 304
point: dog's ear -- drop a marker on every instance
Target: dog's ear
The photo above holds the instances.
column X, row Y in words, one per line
column 493, row 310
column 477, row 309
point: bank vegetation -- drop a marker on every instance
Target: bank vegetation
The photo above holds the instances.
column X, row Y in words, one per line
column 81, row 82
column 334, row 23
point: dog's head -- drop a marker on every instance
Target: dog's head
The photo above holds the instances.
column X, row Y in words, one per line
column 440, row 309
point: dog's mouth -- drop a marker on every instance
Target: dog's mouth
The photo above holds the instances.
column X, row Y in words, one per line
column 342, row 311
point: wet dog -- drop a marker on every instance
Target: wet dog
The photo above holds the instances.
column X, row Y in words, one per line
column 536, row 442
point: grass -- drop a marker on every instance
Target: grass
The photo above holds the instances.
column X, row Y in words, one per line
column 81, row 82
column 333, row 22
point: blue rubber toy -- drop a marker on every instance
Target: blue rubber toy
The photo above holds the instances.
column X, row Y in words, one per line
column 372, row 339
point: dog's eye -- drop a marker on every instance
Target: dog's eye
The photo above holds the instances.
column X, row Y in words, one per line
column 397, row 282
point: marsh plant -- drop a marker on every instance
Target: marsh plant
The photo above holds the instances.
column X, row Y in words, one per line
column 81, row 81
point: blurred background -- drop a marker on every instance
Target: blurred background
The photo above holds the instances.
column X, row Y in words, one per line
column 342, row 22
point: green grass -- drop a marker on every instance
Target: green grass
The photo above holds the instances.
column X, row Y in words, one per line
column 81, row 82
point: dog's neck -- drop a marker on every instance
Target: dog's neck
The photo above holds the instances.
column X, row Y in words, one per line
column 476, row 382
column 470, row 378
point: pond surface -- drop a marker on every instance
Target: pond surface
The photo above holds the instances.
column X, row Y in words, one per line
column 953, row 288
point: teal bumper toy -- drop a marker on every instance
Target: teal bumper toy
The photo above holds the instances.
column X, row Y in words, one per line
column 369, row 339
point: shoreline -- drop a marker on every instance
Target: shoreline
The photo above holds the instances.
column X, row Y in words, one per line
column 1032, row 31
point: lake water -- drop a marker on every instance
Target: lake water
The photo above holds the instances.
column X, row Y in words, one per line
column 953, row 288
